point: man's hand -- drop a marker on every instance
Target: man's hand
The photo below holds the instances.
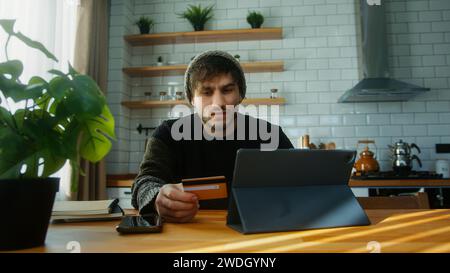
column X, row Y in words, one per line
column 175, row 205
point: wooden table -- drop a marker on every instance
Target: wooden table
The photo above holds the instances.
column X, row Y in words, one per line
column 391, row 230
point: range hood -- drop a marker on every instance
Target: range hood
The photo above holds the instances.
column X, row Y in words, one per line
column 376, row 84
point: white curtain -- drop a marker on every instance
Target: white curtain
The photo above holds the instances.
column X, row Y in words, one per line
column 53, row 23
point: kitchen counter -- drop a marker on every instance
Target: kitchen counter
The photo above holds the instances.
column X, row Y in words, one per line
column 126, row 180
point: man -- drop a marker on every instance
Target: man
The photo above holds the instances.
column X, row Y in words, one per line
column 214, row 84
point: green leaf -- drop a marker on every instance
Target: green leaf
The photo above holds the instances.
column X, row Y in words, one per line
column 12, row 89
column 59, row 87
column 36, row 45
column 36, row 142
column 95, row 143
column 14, row 68
column 56, row 72
column 44, row 157
column 37, row 80
column 18, row 92
column 12, row 148
column 8, row 26
column 70, row 138
column 72, row 70
column 33, row 91
column 43, row 102
column 6, row 118
column 86, row 99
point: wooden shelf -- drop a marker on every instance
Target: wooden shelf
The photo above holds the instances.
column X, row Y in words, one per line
column 144, row 104
column 172, row 70
column 205, row 36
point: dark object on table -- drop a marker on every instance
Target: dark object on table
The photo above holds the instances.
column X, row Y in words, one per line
column 442, row 148
column 262, row 202
column 395, row 175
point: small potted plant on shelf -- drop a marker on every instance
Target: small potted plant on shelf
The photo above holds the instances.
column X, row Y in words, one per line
column 255, row 19
column 63, row 119
column 145, row 24
column 237, row 57
column 160, row 61
column 197, row 16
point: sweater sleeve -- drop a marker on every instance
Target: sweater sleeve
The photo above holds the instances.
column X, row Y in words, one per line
column 156, row 170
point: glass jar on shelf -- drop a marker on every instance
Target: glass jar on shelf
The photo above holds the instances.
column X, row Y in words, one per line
column 179, row 95
column 173, row 87
column 162, row 95
column 148, row 95
column 273, row 93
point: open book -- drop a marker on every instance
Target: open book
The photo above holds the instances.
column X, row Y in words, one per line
column 71, row 211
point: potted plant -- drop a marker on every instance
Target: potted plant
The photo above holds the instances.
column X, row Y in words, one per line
column 63, row 119
column 255, row 19
column 160, row 61
column 197, row 16
column 145, row 24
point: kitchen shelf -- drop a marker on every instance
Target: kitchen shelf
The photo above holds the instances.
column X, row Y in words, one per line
column 144, row 104
column 171, row 70
column 205, row 36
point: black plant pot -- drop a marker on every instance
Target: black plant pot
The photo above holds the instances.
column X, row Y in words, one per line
column 144, row 29
column 255, row 25
column 199, row 27
column 26, row 206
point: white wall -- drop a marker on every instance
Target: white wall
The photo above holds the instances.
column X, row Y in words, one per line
column 321, row 62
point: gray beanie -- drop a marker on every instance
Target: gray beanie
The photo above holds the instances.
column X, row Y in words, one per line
column 215, row 53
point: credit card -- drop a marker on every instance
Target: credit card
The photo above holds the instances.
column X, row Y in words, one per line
column 206, row 188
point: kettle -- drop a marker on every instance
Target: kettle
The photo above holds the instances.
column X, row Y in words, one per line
column 402, row 158
column 367, row 162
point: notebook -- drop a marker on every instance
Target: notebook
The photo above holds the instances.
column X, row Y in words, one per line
column 70, row 211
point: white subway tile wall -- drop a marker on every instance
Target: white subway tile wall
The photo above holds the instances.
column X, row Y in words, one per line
column 319, row 49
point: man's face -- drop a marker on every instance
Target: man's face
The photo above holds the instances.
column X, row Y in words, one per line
column 215, row 99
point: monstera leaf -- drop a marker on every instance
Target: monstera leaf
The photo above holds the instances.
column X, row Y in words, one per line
column 14, row 68
column 30, row 147
column 95, row 143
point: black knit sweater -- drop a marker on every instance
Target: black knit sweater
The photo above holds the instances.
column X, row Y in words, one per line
column 168, row 161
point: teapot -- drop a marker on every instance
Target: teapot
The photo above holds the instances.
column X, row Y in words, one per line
column 367, row 162
column 402, row 158
column 403, row 148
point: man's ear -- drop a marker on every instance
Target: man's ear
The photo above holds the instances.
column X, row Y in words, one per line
column 241, row 98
